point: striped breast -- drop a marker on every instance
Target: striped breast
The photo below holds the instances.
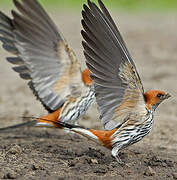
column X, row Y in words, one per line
column 133, row 133
column 77, row 106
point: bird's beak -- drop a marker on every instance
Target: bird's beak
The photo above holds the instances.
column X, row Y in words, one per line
column 166, row 96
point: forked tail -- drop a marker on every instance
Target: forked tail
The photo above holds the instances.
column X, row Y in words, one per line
column 30, row 123
column 51, row 120
column 102, row 137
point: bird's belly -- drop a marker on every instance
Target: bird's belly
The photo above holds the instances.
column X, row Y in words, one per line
column 140, row 133
column 131, row 135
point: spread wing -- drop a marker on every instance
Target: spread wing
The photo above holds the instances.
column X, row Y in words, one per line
column 118, row 88
column 42, row 55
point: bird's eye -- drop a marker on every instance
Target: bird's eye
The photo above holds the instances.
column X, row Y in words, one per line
column 159, row 95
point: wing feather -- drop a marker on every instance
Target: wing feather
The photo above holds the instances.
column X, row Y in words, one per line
column 118, row 88
column 42, row 54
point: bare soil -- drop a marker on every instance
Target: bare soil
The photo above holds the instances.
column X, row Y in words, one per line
column 39, row 153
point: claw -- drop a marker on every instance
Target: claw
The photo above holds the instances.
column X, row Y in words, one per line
column 119, row 160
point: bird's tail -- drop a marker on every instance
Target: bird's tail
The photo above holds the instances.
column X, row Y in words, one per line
column 79, row 130
column 29, row 123
column 51, row 120
column 102, row 137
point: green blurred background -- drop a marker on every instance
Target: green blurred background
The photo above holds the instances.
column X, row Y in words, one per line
column 124, row 5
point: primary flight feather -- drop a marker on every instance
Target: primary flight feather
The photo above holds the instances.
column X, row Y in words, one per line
column 43, row 57
column 126, row 111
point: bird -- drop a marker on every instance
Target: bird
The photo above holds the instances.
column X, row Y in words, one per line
column 42, row 56
column 126, row 110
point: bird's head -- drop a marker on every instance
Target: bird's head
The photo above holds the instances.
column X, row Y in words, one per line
column 154, row 97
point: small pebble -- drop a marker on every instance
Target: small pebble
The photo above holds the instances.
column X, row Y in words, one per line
column 174, row 175
column 15, row 150
column 94, row 161
column 9, row 174
column 149, row 172
column 35, row 167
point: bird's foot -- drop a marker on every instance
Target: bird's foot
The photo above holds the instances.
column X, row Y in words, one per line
column 119, row 160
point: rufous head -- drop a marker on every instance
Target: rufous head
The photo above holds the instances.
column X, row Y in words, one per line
column 154, row 97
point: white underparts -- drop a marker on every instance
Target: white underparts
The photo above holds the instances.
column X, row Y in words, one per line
column 43, row 124
column 86, row 133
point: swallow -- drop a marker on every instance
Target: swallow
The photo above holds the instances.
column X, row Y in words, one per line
column 126, row 110
column 42, row 56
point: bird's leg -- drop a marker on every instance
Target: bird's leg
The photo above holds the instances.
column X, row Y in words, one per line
column 119, row 160
column 115, row 154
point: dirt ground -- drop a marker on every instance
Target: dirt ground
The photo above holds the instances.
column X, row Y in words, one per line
column 39, row 153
